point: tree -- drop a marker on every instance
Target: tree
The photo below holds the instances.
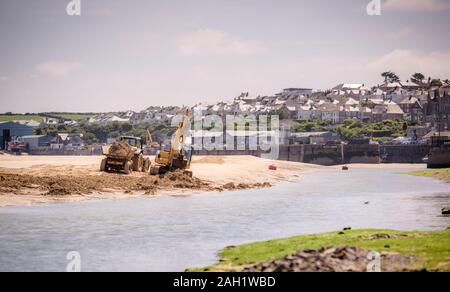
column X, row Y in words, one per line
column 126, row 127
column 436, row 82
column 90, row 138
column 386, row 76
column 390, row 77
column 394, row 77
column 418, row 78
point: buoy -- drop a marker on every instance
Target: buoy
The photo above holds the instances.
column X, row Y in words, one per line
column 273, row 167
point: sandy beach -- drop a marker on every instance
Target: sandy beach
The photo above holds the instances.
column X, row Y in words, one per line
column 27, row 180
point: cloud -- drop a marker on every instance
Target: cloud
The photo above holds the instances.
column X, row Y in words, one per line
column 5, row 78
column 400, row 34
column 57, row 68
column 417, row 5
column 407, row 62
column 212, row 42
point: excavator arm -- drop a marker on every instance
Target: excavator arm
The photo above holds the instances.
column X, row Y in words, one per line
column 179, row 138
column 149, row 138
column 178, row 157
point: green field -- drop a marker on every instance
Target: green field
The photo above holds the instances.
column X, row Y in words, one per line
column 74, row 117
column 7, row 118
column 432, row 249
column 442, row 174
column 40, row 117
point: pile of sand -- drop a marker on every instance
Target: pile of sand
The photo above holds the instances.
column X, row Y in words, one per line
column 63, row 185
column 120, row 149
column 72, row 183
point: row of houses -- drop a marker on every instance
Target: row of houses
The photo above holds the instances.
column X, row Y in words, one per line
column 407, row 100
column 397, row 100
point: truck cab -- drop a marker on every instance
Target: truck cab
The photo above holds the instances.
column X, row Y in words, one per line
column 134, row 142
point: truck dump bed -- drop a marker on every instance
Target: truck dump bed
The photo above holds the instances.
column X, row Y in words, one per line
column 119, row 150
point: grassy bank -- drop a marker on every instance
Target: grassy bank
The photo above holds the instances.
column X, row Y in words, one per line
column 432, row 249
column 442, row 174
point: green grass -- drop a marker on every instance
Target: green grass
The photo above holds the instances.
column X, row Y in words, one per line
column 40, row 117
column 74, row 117
column 7, row 118
column 442, row 174
column 432, row 249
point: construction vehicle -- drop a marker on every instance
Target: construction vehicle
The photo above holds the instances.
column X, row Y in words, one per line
column 151, row 147
column 150, row 142
column 179, row 156
column 125, row 155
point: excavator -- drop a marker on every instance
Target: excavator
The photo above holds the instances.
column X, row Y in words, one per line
column 150, row 142
column 179, row 156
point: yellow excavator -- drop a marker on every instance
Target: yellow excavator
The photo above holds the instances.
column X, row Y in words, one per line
column 179, row 156
column 150, row 142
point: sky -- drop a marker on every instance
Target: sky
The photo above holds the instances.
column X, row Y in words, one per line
column 129, row 55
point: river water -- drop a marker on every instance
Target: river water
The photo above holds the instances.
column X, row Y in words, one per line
column 174, row 233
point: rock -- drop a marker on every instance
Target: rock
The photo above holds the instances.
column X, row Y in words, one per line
column 380, row 236
column 324, row 260
column 229, row 186
column 331, row 259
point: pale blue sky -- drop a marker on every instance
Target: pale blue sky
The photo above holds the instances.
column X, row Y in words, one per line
column 123, row 55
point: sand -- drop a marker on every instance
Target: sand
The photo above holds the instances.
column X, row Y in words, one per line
column 28, row 180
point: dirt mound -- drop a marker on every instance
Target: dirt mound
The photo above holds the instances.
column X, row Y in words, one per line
column 63, row 185
column 120, row 149
column 332, row 259
column 244, row 186
column 181, row 180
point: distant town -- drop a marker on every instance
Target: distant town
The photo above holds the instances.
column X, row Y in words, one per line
column 394, row 112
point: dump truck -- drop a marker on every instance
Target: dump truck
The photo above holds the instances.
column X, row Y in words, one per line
column 125, row 155
column 179, row 156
